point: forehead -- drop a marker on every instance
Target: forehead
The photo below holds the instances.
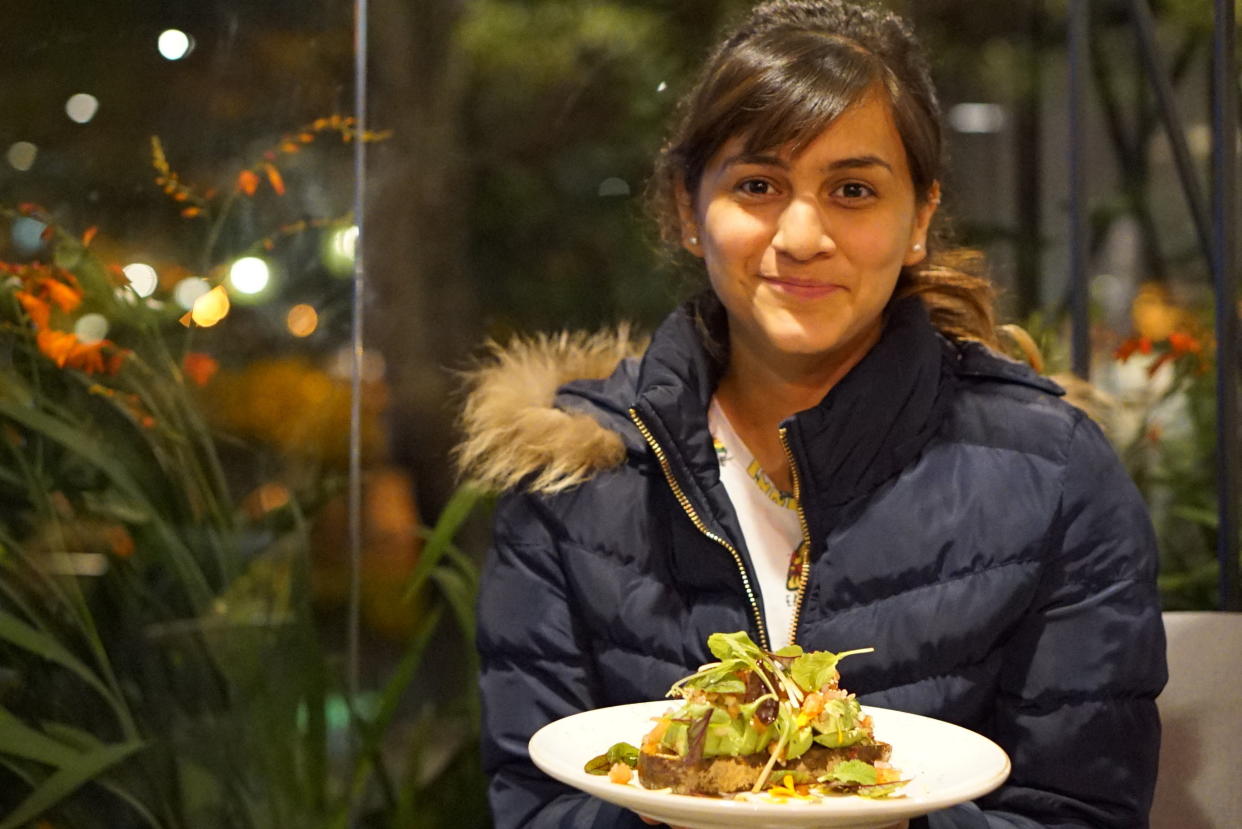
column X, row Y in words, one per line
column 865, row 129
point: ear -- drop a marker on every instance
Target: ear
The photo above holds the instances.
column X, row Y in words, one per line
column 689, row 223
column 923, row 213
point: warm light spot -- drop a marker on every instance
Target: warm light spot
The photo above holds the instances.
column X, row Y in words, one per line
column 188, row 290
column 249, row 275
column 142, row 278
column 211, row 307
column 91, row 328
column 373, row 366
column 81, row 107
column 302, row 320
column 76, row 564
column 663, row 86
column 21, row 156
column 270, row 496
column 175, row 44
column 341, row 249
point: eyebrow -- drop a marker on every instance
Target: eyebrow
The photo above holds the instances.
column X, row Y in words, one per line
column 851, row 163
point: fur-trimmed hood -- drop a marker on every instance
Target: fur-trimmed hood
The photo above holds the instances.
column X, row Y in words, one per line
column 514, row 431
column 547, row 413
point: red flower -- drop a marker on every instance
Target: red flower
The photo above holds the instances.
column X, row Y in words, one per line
column 1184, row 344
column 199, row 368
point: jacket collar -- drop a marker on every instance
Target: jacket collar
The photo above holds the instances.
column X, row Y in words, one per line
column 873, row 423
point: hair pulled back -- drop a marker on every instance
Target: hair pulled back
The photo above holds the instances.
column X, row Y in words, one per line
column 779, row 79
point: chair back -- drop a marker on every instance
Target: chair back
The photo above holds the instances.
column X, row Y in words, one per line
column 1200, row 782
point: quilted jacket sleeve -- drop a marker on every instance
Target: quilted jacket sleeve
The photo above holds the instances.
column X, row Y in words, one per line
column 534, row 671
column 1076, row 707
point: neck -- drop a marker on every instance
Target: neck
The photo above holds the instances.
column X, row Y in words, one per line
column 759, row 390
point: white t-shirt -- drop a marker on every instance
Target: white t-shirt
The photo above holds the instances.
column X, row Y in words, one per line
column 769, row 522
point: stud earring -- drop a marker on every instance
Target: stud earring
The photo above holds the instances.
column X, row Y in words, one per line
column 917, row 247
column 694, row 240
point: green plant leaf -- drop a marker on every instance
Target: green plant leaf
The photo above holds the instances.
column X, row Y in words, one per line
column 80, row 769
column 439, row 542
column 17, row 632
column 20, row 740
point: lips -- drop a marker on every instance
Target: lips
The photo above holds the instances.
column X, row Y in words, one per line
column 802, row 288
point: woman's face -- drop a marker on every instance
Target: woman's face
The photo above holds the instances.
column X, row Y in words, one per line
column 804, row 250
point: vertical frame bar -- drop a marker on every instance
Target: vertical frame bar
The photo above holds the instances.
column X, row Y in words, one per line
column 1079, row 239
column 357, row 349
column 1166, row 100
column 1225, row 277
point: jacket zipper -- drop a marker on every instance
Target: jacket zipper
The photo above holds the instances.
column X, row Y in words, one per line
column 702, row 527
column 804, row 575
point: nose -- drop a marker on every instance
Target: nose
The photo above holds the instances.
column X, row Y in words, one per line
column 801, row 232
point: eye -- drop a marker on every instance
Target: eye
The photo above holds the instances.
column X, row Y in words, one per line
column 755, row 187
column 853, row 191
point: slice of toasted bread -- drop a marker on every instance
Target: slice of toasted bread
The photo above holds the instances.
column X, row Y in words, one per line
column 726, row 775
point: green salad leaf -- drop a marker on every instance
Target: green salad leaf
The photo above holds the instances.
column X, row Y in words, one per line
column 619, row 753
column 816, row 669
column 859, row 778
column 850, row 771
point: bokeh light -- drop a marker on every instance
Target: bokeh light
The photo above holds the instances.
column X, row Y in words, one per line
column 27, row 235
column 972, row 118
column 142, row 278
column 613, row 186
column 81, row 107
column 190, row 289
column 249, row 275
column 211, row 307
column 91, row 328
column 302, row 320
column 175, row 44
column 341, row 248
column 21, row 155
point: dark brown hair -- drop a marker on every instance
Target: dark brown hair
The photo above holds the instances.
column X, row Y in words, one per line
column 779, row 79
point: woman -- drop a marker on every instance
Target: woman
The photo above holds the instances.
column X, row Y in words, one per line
column 820, row 449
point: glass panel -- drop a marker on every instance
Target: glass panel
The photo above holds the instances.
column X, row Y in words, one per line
column 176, row 182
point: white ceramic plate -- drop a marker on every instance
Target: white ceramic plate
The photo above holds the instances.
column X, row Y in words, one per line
column 945, row 763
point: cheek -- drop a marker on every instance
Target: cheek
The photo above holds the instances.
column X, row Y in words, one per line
column 884, row 244
column 734, row 238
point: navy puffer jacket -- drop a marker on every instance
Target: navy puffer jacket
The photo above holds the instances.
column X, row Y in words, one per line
column 968, row 524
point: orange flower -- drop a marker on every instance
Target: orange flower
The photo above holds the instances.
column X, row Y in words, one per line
column 66, row 350
column 247, row 182
column 200, row 368
column 1184, row 344
column 66, row 298
column 119, row 540
column 273, row 176
column 40, row 312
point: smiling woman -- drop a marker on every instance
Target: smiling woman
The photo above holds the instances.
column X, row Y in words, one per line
column 820, row 450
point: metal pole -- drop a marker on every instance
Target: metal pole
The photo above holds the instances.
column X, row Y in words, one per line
column 1079, row 238
column 356, row 368
column 1166, row 102
column 1225, row 275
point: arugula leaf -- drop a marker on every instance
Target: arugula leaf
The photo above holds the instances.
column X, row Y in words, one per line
column 729, row 685
column 851, row 771
column 816, row 669
column 726, row 645
column 619, row 753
